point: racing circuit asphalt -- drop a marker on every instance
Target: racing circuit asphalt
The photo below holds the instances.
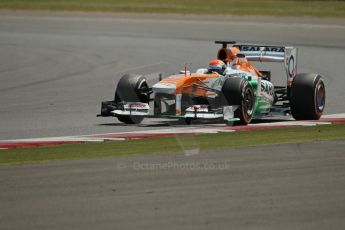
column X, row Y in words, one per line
column 55, row 69
column 297, row 186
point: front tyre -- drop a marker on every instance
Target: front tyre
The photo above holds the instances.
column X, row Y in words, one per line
column 130, row 119
column 238, row 91
column 132, row 88
column 307, row 97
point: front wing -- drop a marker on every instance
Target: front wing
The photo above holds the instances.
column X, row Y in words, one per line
column 110, row 108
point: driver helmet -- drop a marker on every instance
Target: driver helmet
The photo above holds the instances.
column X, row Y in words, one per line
column 216, row 66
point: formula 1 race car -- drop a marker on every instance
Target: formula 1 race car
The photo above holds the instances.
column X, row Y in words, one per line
column 229, row 89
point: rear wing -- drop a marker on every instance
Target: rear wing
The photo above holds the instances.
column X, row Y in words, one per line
column 288, row 55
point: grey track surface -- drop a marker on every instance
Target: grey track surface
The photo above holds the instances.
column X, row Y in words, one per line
column 55, row 69
column 297, row 186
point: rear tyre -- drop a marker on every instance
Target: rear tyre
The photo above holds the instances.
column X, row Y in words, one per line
column 238, row 91
column 307, row 97
column 132, row 88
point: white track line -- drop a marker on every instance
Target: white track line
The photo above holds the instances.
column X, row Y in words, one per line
column 210, row 128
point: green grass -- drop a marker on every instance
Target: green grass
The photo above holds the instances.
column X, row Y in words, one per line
column 323, row 8
column 173, row 144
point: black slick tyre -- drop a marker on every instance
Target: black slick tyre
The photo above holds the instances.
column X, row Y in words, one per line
column 307, row 97
column 238, row 91
column 132, row 88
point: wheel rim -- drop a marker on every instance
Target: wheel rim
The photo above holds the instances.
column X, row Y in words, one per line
column 320, row 97
column 143, row 91
column 248, row 102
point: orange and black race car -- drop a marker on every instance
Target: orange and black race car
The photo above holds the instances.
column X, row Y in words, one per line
column 231, row 88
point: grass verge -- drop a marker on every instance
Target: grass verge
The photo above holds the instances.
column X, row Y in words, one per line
column 315, row 8
column 174, row 144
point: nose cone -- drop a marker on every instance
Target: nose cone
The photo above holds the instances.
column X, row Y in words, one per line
column 170, row 84
column 164, row 87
